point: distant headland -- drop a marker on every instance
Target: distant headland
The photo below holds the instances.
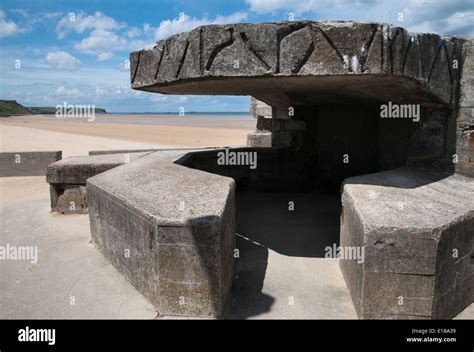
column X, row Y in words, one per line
column 13, row 108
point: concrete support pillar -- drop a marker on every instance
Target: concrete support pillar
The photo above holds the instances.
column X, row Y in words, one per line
column 275, row 126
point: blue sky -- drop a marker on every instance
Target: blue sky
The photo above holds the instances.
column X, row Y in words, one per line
column 76, row 51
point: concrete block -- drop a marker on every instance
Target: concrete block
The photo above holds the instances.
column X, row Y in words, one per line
column 169, row 229
column 77, row 169
column 27, row 163
column 259, row 139
column 416, row 228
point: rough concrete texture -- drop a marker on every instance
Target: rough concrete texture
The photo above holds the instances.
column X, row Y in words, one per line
column 67, row 178
column 417, row 228
column 305, row 63
column 259, row 139
column 276, row 169
column 69, row 266
column 72, row 280
column 27, row 163
column 260, row 109
column 128, row 151
column 169, row 230
column 77, row 169
column 465, row 114
column 261, row 59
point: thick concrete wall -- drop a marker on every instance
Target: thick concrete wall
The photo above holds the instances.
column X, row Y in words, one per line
column 276, row 169
column 416, row 228
column 27, row 163
column 169, row 230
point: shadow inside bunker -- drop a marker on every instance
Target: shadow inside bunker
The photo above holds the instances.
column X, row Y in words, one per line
column 266, row 221
column 296, row 224
column 246, row 298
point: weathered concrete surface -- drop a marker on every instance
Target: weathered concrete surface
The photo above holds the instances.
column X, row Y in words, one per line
column 276, row 169
column 417, row 228
column 69, row 266
column 169, row 230
column 128, row 151
column 77, row 169
column 465, row 114
column 67, row 178
column 275, row 61
column 27, row 163
column 290, row 65
column 260, row 109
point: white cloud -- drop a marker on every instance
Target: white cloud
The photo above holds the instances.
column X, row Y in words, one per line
column 444, row 17
column 63, row 91
column 35, row 51
column 298, row 6
column 124, row 66
column 8, row 28
column 82, row 22
column 460, row 22
column 159, row 98
column 263, row 6
column 104, row 34
column 104, row 56
column 29, row 22
column 100, row 91
column 133, row 32
column 447, row 17
column 186, row 23
column 62, row 60
column 100, row 40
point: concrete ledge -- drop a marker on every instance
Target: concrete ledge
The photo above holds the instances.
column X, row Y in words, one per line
column 67, row 178
column 120, row 151
column 77, row 169
column 169, row 229
column 416, row 228
column 27, row 163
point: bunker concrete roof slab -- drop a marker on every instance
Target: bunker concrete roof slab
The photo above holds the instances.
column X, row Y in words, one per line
column 339, row 59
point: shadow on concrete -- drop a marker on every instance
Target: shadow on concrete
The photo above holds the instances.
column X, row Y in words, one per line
column 404, row 177
column 303, row 232
column 263, row 222
column 246, row 298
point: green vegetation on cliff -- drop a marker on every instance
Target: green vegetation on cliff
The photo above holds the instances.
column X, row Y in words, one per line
column 12, row 108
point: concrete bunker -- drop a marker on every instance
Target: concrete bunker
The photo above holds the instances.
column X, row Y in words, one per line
column 319, row 89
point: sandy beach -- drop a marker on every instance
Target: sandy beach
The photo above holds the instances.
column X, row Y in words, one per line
column 78, row 136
